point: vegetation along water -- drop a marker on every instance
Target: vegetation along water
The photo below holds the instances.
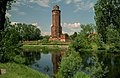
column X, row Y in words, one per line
column 93, row 52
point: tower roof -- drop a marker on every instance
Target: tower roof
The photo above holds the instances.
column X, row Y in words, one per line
column 56, row 7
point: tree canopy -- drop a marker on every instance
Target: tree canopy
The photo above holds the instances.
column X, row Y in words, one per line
column 28, row 32
column 107, row 13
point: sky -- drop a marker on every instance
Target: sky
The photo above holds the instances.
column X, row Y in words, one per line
column 39, row 13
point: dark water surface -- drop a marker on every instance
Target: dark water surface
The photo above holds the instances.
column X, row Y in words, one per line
column 47, row 63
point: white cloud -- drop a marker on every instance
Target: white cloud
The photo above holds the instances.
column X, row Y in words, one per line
column 43, row 3
column 57, row 1
column 84, row 5
column 68, row 1
column 8, row 15
column 35, row 24
column 70, row 32
column 81, row 4
column 45, row 33
column 72, row 26
column 21, row 13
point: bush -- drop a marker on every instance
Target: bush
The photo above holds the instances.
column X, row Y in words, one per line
column 70, row 64
column 9, row 45
column 81, row 75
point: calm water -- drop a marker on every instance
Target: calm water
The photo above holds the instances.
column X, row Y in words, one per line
column 48, row 62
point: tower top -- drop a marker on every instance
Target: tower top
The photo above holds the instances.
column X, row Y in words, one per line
column 56, row 7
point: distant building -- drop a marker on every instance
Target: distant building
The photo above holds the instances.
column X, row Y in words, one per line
column 56, row 29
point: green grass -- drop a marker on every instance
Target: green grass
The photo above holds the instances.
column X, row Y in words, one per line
column 45, row 43
column 44, row 48
column 14, row 70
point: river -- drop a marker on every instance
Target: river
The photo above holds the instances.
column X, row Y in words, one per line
column 47, row 62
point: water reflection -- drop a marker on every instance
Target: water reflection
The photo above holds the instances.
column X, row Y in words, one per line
column 31, row 57
column 56, row 58
column 48, row 63
column 113, row 62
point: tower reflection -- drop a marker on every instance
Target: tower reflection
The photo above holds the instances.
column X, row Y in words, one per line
column 56, row 58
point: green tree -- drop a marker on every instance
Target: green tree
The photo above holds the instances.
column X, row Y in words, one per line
column 88, row 28
column 28, row 32
column 4, row 4
column 107, row 12
column 70, row 64
column 86, row 37
column 113, row 40
column 73, row 36
column 9, row 45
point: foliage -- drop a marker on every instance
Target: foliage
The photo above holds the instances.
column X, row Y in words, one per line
column 107, row 12
column 87, row 38
column 81, row 75
column 9, row 45
column 96, row 68
column 113, row 39
column 73, row 36
column 14, row 70
column 28, row 32
column 81, row 42
column 89, row 41
column 70, row 64
column 88, row 28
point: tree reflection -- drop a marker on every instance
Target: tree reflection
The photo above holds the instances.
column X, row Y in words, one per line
column 31, row 57
column 113, row 62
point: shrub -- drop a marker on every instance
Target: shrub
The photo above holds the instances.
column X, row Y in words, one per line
column 70, row 64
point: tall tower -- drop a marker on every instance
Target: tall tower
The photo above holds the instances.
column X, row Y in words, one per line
column 56, row 29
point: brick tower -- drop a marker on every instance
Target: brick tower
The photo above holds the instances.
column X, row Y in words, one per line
column 56, row 29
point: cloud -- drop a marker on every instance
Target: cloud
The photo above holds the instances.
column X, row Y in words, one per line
column 21, row 13
column 69, row 32
column 72, row 26
column 57, row 1
column 84, row 5
column 81, row 4
column 43, row 3
column 68, row 1
column 8, row 15
column 45, row 33
column 35, row 24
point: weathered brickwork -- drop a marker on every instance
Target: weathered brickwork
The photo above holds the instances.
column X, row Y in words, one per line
column 56, row 29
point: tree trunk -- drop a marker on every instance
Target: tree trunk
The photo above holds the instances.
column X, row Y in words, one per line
column 3, row 5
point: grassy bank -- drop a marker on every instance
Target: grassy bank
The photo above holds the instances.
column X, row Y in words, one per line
column 14, row 70
column 44, row 48
column 45, row 43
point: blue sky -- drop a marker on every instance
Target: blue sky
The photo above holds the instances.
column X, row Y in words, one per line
column 38, row 12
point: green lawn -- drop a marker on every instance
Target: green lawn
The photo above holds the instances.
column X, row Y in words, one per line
column 14, row 70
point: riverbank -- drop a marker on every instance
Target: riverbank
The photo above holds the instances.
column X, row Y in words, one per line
column 44, row 48
column 45, row 43
column 14, row 70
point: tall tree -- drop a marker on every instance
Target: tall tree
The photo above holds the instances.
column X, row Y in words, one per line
column 107, row 13
column 28, row 32
column 3, row 8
